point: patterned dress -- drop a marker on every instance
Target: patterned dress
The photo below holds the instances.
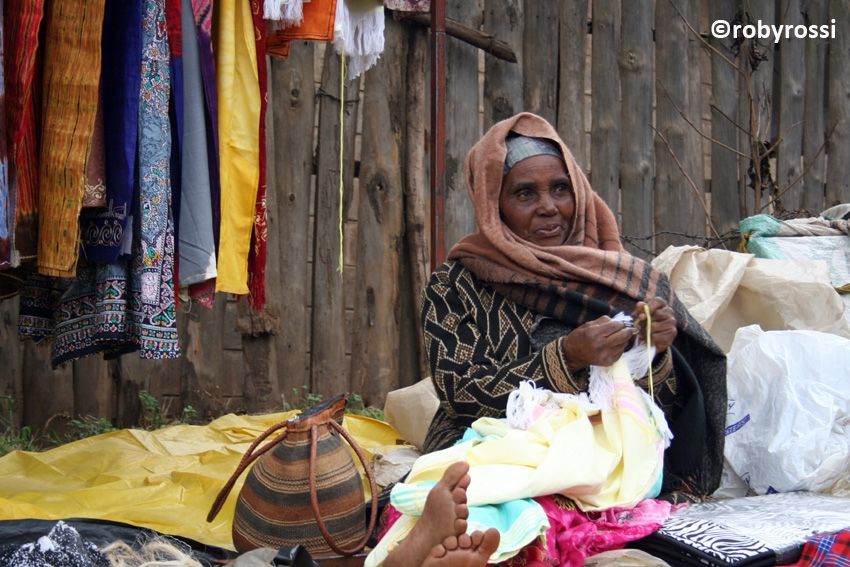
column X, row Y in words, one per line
column 481, row 345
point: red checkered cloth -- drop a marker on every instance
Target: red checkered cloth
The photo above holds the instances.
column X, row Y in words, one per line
column 827, row 550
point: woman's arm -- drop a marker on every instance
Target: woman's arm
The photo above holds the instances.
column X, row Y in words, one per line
column 471, row 378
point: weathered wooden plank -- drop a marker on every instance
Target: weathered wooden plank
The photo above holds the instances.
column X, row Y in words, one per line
column 539, row 35
column 416, row 201
column 47, row 393
column 329, row 373
column 693, row 110
column 503, row 82
column 838, row 117
column 605, row 104
column 676, row 206
column 380, row 233
column 755, row 108
column 94, row 388
column 725, row 208
column 462, row 129
column 572, row 49
column 814, row 129
column 12, row 357
column 636, row 150
column 792, row 85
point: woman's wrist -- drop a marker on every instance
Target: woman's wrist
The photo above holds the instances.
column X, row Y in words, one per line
column 572, row 365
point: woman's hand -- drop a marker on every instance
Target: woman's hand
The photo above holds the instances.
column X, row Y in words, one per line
column 663, row 323
column 599, row 342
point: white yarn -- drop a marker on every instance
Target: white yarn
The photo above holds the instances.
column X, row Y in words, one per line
column 528, row 399
column 285, row 13
column 360, row 36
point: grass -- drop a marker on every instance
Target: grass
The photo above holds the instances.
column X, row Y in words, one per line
column 303, row 399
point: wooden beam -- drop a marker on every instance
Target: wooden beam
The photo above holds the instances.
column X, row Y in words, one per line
column 572, row 55
column 838, row 121
column 502, row 79
column 814, row 125
column 605, row 103
column 539, row 36
column 637, row 159
column 472, row 36
column 792, row 86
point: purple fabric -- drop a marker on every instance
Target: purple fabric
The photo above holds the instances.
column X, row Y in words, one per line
column 103, row 231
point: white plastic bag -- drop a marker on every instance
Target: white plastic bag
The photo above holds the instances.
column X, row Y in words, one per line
column 788, row 420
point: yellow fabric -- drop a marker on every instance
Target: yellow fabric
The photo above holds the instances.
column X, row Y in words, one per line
column 600, row 460
column 165, row 480
column 238, row 88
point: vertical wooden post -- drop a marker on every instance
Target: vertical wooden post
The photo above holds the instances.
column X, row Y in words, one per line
column 503, row 81
column 676, row 206
column 46, row 392
column 539, row 59
column 814, row 130
column 725, row 209
column 572, row 54
column 838, row 121
column 380, row 231
column 94, row 388
column 637, row 159
column 605, row 103
column 293, row 110
column 756, row 105
column 328, row 365
column 792, row 82
column 437, row 174
column 12, row 357
column 462, row 129
column 416, row 202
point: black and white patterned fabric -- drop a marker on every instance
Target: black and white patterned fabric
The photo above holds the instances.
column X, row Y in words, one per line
column 61, row 547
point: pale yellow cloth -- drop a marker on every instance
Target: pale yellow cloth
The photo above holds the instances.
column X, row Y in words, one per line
column 165, row 480
column 238, row 88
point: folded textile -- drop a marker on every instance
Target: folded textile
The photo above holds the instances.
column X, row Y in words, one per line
column 827, row 549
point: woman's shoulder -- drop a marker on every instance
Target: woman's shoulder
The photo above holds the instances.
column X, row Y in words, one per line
column 452, row 273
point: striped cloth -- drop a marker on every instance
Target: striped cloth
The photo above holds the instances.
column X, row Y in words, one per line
column 21, row 29
column 69, row 104
column 827, row 550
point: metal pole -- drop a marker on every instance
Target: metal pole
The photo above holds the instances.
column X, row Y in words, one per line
column 438, row 131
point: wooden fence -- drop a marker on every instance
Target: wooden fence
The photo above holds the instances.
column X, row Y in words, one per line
column 683, row 134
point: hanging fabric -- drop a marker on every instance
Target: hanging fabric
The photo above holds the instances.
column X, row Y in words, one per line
column 359, row 34
column 107, row 233
column 408, row 5
column 318, row 23
column 196, row 249
column 203, row 293
column 174, row 25
column 238, row 122
column 154, row 313
column 284, row 13
column 259, row 236
column 69, row 104
column 7, row 204
column 22, row 21
column 94, row 195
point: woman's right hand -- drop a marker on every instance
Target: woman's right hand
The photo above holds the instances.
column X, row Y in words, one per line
column 599, row 342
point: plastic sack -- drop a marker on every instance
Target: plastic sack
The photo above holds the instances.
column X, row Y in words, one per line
column 788, row 420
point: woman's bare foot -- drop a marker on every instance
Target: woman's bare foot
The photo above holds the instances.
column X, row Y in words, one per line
column 464, row 550
column 444, row 516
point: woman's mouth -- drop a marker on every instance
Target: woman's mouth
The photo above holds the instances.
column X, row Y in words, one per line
column 549, row 231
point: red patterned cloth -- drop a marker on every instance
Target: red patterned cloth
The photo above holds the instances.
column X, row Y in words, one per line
column 259, row 237
column 827, row 550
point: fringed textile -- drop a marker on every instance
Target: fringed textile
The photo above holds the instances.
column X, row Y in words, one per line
column 69, row 105
column 95, row 191
column 259, row 236
column 174, row 25
column 107, row 234
column 284, row 13
column 238, row 122
column 22, row 21
column 359, row 35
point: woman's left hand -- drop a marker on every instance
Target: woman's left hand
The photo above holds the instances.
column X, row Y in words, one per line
column 663, row 323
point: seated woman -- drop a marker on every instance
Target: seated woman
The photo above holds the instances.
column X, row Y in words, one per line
column 531, row 293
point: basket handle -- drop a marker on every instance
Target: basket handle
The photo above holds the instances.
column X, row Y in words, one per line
column 249, row 457
column 314, row 499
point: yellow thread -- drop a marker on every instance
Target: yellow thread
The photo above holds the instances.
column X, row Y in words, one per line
column 341, row 153
column 648, row 351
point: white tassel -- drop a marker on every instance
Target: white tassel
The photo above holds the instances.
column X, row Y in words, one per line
column 273, row 9
column 360, row 35
column 285, row 13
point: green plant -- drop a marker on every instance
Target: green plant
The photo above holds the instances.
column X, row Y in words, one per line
column 14, row 438
column 88, row 426
column 153, row 416
column 357, row 406
column 303, row 398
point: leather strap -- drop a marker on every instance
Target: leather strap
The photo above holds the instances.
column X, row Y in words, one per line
column 314, row 499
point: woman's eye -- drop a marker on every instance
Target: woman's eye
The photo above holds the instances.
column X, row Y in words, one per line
column 525, row 194
column 562, row 188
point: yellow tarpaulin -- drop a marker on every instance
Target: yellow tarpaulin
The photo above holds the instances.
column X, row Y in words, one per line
column 164, row 480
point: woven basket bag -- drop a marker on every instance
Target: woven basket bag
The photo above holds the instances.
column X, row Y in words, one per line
column 304, row 488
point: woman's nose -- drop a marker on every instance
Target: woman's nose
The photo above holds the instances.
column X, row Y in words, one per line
column 546, row 205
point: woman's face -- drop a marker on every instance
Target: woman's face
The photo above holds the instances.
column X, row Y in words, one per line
column 537, row 200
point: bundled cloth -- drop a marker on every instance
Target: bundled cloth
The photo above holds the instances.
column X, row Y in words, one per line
column 616, row 427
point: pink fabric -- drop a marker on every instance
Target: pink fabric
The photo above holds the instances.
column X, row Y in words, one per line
column 573, row 535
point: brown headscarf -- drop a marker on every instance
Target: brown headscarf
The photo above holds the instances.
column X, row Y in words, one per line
column 592, row 252
column 589, row 276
